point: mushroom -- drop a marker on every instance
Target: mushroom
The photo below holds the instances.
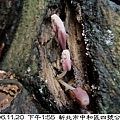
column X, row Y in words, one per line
column 59, row 29
column 66, row 63
column 77, row 94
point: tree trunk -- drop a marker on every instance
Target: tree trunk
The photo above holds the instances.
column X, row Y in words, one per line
column 33, row 54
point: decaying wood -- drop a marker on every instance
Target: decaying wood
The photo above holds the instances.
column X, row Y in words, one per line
column 93, row 42
column 50, row 56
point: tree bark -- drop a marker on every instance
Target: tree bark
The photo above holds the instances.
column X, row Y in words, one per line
column 34, row 54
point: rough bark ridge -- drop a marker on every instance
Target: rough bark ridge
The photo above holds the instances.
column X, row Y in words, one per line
column 93, row 41
column 101, row 20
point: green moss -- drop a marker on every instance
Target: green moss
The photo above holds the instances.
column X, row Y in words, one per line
column 19, row 56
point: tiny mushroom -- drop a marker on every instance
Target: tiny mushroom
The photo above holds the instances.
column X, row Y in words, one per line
column 59, row 29
column 77, row 94
column 66, row 62
column 81, row 96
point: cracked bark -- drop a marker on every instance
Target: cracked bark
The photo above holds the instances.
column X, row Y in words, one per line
column 34, row 55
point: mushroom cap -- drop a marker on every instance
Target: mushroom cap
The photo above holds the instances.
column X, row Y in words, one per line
column 57, row 18
column 81, row 96
column 59, row 29
column 66, row 62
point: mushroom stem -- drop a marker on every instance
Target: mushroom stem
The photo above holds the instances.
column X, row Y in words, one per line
column 77, row 94
column 62, row 82
column 66, row 85
column 61, row 75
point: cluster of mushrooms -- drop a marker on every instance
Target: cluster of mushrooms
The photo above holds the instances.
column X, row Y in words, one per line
column 80, row 95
